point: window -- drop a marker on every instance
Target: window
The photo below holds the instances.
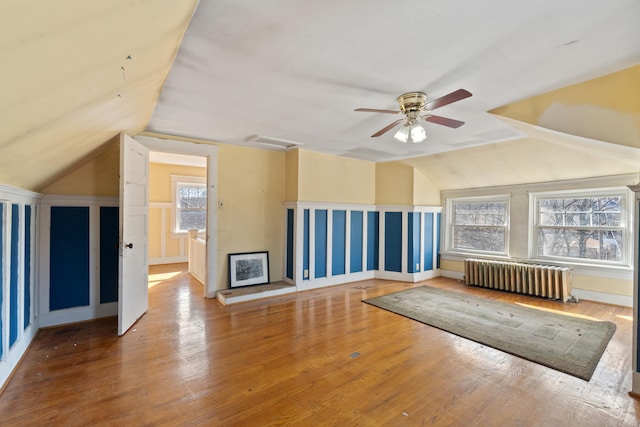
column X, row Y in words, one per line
column 583, row 225
column 478, row 225
column 189, row 203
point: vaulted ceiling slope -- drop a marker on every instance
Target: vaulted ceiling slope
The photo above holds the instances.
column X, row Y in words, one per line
column 296, row 70
column 76, row 73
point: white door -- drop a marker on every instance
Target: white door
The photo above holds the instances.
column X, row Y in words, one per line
column 134, row 205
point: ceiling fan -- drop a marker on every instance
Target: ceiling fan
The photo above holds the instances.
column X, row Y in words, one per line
column 412, row 105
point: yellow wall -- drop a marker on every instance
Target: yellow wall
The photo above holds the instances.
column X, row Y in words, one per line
column 251, row 185
column 328, row 178
column 291, row 175
column 606, row 108
column 394, row 184
column 160, row 179
column 425, row 193
column 602, row 284
column 94, row 176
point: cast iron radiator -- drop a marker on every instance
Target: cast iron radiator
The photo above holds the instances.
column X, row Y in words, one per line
column 532, row 279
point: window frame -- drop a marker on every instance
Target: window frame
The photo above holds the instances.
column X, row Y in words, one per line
column 176, row 182
column 449, row 225
column 625, row 225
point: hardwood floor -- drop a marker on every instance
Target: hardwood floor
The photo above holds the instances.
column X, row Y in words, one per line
column 313, row 358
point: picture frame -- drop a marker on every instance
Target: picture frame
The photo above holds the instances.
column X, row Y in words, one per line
column 248, row 269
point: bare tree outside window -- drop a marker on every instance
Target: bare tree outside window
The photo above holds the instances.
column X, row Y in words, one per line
column 581, row 227
column 191, row 206
column 480, row 225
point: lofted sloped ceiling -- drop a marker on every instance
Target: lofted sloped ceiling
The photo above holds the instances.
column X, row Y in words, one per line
column 76, row 73
column 296, row 70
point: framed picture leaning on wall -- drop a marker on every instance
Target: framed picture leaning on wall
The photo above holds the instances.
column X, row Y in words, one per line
column 248, row 268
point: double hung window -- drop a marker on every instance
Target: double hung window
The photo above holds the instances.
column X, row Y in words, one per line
column 479, row 225
column 583, row 225
column 189, row 203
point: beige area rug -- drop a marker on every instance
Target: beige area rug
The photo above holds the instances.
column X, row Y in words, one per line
column 568, row 344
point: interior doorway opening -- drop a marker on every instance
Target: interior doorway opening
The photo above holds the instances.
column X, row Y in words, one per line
column 178, row 203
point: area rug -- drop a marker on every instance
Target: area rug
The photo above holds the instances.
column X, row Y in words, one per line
column 566, row 343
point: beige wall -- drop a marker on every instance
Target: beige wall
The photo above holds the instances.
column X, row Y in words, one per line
column 291, row 175
column 160, row 179
column 394, row 184
column 605, row 108
column 251, row 186
column 94, row 176
column 333, row 179
column 425, row 192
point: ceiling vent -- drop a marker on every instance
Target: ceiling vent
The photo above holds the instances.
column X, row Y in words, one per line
column 272, row 143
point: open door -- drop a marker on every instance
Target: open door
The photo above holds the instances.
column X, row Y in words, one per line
column 134, row 205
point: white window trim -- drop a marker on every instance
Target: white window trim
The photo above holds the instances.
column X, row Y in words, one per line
column 448, row 215
column 626, row 221
column 175, row 180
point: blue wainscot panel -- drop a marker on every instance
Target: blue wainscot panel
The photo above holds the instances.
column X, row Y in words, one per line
column 393, row 241
column 438, row 217
column 108, row 254
column 290, row 237
column 413, row 242
column 428, row 242
column 69, row 259
column 13, row 275
column 356, row 238
column 373, row 240
column 321, row 243
column 305, row 246
column 338, row 242
column 27, row 266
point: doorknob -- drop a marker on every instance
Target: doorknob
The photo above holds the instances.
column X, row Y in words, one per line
column 130, row 246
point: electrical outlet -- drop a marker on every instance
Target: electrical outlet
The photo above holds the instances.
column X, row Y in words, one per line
column 306, row 274
column 220, row 204
column 417, row 266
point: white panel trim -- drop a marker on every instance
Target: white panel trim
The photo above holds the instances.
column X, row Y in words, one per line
column 334, row 280
column 78, row 314
column 94, row 309
column 11, row 356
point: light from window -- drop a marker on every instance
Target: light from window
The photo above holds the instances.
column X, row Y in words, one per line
column 191, row 206
column 581, row 227
column 479, row 225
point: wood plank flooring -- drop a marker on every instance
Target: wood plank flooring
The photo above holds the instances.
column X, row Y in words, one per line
column 313, row 358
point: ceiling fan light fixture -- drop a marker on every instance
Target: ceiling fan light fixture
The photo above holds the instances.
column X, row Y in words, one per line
column 403, row 133
column 411, row 131
column 418, row 134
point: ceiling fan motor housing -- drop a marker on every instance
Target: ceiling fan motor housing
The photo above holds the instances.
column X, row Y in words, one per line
column 412, row 102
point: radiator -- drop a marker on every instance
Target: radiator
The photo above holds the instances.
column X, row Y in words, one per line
column 532, row 279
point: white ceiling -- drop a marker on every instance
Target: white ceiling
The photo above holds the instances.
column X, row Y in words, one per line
column 296, row 70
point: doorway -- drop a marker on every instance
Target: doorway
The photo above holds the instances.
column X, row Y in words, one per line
column 178, row 211
column 205, row 156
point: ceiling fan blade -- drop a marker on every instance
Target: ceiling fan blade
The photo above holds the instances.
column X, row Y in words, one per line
column 375, row 110
column 444, row 121
column 387, row 128
column 447, row 99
